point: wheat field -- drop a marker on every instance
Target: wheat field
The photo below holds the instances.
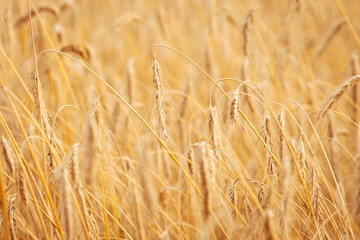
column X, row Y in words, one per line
column 196, row 119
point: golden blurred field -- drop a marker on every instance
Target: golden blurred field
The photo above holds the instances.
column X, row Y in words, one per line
column 197, row 119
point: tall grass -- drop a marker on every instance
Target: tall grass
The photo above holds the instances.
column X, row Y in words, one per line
column 179, row 119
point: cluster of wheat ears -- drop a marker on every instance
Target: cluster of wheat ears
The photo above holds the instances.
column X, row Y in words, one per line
column 242, row 124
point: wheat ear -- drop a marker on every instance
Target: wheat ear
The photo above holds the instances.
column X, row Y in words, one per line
column 329, row 37
column 355, row 70
column 214, row 129
column 246, row 48
column 348, row 84
column 8, row 155
column 267, row 136
column 159, row 99
column 281, row 120
column 205, row 182
column 232, row 196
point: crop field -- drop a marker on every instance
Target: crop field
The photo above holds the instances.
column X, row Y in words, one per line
column 182, row 119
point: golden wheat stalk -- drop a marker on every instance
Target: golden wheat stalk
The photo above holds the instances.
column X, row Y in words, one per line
column 215, row 134
column 248, row 210
column 281, row 127
column 267, row 136
column 232, row 196
column 316, row 195
column 302, row 156
column 66, row 203
column 234, row 107
column 7, row 154
column 205, row 181
column 246, row 48
column 91, row 151
column 355, row 70
column 12, row 220
column 159, row 99
column 73, row 165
